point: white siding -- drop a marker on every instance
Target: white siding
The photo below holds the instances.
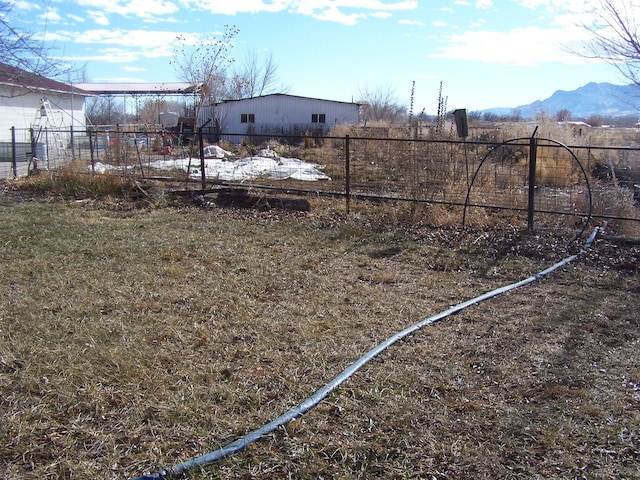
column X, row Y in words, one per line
column 20, row 111
column 279, row 114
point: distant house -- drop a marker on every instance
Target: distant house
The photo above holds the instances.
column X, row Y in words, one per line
column 23, row 97
column 276, row 115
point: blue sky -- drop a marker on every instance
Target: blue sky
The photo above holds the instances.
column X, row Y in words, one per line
column 486, row 53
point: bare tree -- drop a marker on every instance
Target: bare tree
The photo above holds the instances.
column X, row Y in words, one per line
column 256, row 76
column 381, row 105
column 205, row 64
column 615, row 37
column 22, row 50
column 105, row 110
column 260, row 74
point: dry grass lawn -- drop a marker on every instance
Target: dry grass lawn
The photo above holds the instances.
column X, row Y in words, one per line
column 134, row 338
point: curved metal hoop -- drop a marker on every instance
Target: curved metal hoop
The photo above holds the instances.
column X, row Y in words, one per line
column 515, row 140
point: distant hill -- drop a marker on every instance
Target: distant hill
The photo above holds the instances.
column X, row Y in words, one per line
column 605, row 99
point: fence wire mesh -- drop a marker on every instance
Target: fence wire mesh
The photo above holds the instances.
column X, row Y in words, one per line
column 482, row 174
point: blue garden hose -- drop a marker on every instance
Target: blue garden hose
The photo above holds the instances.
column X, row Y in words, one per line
column 178, row 470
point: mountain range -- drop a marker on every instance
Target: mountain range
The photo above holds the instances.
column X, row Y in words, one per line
column 604, row 99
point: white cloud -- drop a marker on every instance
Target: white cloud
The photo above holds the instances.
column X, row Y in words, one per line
column 24, row 5
column 122, row 55
column 520, row 46
column 439, row 24
column 417, row 23
column 561, row 12
column 148, row 10
column 555, row 5
column 75, row 18
column 380, row 15
column 112, row 55
column 331, row 10
column 128, row 68
column 239, row 6
column 484, row 4
column 327, row 10
column 333, row 14
column 50, row 15
column 120, row 46
column 98, row 17
column 128, row 38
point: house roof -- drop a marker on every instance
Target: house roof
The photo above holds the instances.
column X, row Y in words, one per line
column 286, row 95
column 159, row 88
column 14, row 76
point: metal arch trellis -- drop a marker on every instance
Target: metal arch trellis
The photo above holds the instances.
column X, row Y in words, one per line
column 533, row 143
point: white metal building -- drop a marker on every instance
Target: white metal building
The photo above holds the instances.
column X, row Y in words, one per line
column 276, row 114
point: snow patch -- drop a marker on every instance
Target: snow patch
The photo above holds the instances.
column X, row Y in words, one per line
column 266, row 165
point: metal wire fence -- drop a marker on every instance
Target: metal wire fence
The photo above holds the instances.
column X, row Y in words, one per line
column 477, row 177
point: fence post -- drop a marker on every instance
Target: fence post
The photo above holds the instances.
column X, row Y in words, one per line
column 34, row 158
column 93, row 163
column 203, row 174
column 347, row 183
column 73, row 142
column 14, row 163
column 533, row 147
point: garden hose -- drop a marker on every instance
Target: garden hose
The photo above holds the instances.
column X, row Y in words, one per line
column 178, row 470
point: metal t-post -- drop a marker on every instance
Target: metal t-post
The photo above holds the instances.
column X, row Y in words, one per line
column 14, row 163
column 533, row 147
column 347, row 168
column 203, row 174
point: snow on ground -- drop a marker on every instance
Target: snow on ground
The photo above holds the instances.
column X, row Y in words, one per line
column 265, row 165
column 214, row 151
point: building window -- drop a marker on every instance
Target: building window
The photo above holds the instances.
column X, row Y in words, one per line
column 317, row 118
column 247, row 118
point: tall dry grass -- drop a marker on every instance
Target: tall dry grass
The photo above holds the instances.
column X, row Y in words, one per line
column 74, row 180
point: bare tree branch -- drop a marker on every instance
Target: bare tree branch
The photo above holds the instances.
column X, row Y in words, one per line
column 615, row 37
column 21, row 49
column 381, row 105
column 258, row 76
column 205, row 64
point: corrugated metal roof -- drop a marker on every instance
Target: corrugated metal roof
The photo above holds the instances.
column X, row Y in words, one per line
column 159, row 88
column 14, row 76
column 285, row 95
